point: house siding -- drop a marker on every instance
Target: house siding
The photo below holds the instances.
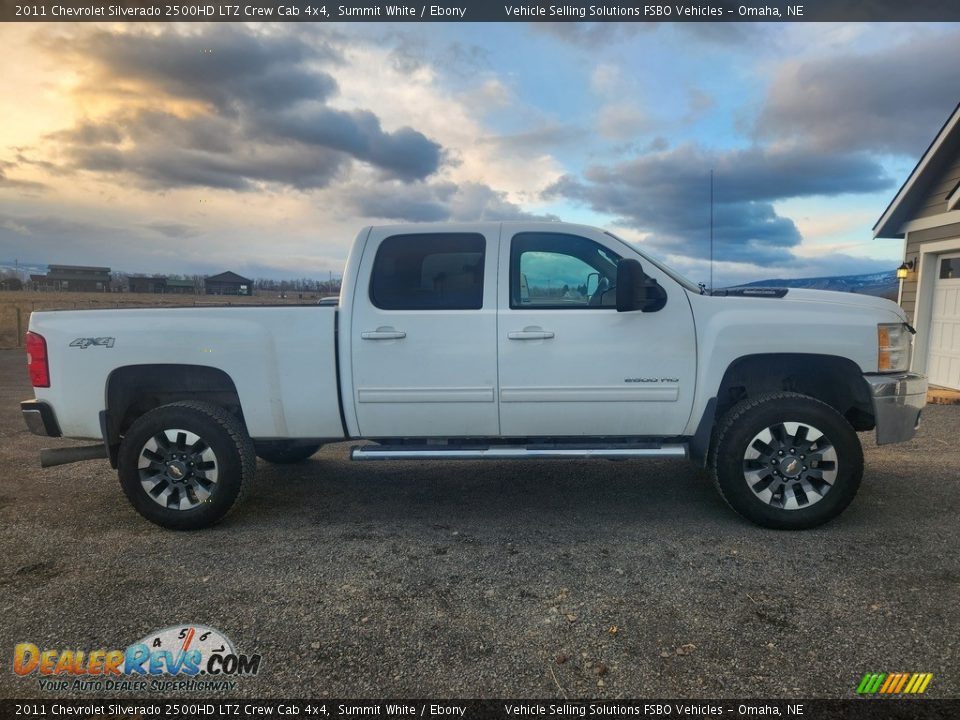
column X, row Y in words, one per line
column 935, row 201
column 915, row 239
column 908, row 289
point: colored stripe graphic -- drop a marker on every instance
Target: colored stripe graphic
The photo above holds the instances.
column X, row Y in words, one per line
column 903, row 679
column 894, row 683
column 871, row 683
column 889, row 683
column 918, row 683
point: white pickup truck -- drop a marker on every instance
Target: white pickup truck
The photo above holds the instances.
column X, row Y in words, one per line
column 480, row 341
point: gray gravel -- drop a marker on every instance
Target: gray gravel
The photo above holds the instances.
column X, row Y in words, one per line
column 584, row 579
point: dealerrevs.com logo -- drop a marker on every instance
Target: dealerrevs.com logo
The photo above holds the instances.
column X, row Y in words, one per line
column 177, row 658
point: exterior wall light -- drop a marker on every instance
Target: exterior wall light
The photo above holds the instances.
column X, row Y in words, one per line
column 905, row 269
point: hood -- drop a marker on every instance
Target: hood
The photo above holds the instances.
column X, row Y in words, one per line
column 796, row 296
column 868, row 302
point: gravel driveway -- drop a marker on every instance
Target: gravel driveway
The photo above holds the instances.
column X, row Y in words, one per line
column 584, row 579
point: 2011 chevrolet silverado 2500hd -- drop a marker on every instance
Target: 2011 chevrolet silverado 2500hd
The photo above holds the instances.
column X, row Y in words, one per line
column 485, row 340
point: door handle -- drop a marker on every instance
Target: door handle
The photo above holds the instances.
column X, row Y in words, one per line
column 383, row 333
column 532, row 332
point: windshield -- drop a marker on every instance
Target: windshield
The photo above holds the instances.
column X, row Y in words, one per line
column 692, row 287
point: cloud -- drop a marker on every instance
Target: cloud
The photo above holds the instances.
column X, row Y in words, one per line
column 52, row 239
column 700, row 103
column 892, row 99
column 622, row 121
column 224, row 65
column 594, row 35
column 666, row 195
column 257, row 112
column 172, row 229
column 47, row 239
column 418, row 202
column 412, row 51
column 542, row 138
column 405, row 153
column 434, row 202
column 13, row 183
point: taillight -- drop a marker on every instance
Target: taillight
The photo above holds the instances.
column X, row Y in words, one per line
column 37, row 360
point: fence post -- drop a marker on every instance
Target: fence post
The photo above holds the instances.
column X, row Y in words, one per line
column 19, row 326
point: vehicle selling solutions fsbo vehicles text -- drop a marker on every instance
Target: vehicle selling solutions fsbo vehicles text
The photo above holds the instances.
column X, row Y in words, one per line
column 612, row 11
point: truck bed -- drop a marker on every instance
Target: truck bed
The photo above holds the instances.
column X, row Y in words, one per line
column 281, row 359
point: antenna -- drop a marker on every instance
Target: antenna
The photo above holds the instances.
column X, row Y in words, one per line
column 711, row 231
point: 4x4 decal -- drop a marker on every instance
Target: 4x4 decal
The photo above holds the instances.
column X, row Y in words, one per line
column 84, row 343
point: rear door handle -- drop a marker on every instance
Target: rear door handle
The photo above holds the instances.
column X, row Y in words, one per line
column 383, row 333
column 533, row 332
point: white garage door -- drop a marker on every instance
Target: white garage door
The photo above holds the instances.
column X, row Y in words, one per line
column 944, row 364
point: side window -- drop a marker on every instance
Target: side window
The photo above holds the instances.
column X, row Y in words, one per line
column 442, row 271
column 558, row 271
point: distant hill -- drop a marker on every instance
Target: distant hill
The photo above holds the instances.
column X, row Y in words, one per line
column 878, row 284
column 24, row 271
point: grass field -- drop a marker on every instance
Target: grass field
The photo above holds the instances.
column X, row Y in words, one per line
column 16, row 306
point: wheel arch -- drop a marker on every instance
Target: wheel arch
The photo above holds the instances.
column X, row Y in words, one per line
column 834, row 380
column 133, row 390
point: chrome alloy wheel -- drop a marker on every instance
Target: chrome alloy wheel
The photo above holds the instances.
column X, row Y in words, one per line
column 790, row 465
column 178, row 470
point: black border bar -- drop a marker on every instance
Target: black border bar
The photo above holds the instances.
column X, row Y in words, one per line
column 478, row 11
column 874, row 708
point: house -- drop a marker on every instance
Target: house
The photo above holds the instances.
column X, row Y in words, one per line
column 145, row 284
column 228, row 283
column 160, row 284
column 73, row 278
column 180, row 287
column 926, row 213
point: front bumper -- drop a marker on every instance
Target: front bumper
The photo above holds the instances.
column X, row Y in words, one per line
column 897, row 400
column 40, row 418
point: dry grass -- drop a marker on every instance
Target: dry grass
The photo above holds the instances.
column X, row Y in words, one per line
column 15, row 307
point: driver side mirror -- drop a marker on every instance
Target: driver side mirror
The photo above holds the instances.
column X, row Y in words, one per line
column 636, row 290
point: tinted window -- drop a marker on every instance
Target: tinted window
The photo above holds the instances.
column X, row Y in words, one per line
column 429, row 272
column 555, row 270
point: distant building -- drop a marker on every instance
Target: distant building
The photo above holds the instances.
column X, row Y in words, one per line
column 11, row 283
column 165, row 285
column 228, row 283
column 73, row 278
column 144, row 284
column 180, row 287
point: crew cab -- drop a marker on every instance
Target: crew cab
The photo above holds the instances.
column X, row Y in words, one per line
column 485, row 341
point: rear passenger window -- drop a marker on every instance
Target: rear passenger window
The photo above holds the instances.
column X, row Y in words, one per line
column 429, row 272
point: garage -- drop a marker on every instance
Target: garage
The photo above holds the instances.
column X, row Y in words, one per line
column 943, row 363
column 925, row 214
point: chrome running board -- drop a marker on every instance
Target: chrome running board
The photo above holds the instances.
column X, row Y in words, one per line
column 516, row 452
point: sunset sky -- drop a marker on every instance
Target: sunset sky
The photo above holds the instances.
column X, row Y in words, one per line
column 264, row 148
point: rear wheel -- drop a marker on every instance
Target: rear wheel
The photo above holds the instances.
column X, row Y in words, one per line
column 186, row 465
column 286, row 452
column 787, row 461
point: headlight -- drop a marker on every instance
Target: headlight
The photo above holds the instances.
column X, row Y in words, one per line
column 893, row 347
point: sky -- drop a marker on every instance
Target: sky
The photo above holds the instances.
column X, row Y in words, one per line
column 264, row 148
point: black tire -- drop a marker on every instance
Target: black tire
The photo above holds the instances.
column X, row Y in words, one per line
column 221, row 434
column 286, row 452
column 775, row 413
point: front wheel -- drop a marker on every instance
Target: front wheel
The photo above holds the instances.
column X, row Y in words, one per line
column 186, row 465
column 787, row 461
